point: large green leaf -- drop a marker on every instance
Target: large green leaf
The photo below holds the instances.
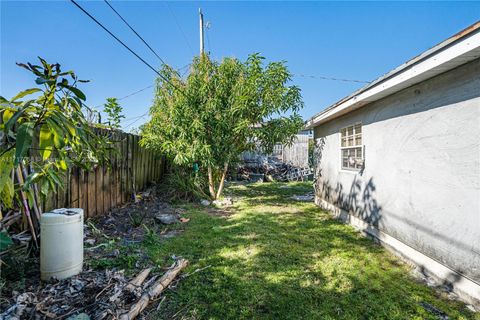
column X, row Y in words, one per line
column 57, row 132
column 46, row 141
column 41, row 80
column 45, row 187
column 25, row 92
column 75, row 91
column 24, row 140
column 78, row 93
column 7, row 194
column 56, row 179
column 7, row 114
column 13, row 119
column 6, row 181
column 5, row 241
column 5, row 169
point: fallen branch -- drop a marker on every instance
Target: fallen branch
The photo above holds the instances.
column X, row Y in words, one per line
column 155, row 290
column 138, row 280
column 196, row 270
column 132, row 285
column 9, row 220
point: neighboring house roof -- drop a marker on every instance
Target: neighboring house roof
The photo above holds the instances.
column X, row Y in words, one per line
column 449, row 54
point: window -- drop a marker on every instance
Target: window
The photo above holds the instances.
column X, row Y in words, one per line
column 351, row 147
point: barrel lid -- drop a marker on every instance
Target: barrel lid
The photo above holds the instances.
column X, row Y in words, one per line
column 67, row 211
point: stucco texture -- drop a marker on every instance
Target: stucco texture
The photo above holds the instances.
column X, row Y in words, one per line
column 421, row 178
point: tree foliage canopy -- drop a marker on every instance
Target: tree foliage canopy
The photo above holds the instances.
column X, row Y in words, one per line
column 114, row 112
column 221, row 110
column 44, row 129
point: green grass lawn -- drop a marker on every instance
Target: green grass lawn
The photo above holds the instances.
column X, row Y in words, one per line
column 275, row 258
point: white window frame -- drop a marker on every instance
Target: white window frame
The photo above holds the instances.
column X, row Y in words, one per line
column 357, row 148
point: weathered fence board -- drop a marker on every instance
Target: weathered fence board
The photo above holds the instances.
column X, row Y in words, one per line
column 99, row 190
column 295, row 154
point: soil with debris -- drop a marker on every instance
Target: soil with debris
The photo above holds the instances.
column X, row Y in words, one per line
column 87, row 295
column 132, row 221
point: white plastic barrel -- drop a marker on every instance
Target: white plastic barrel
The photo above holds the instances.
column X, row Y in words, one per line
column 61, row 243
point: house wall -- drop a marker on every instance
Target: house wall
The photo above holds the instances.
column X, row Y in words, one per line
column 421, row 182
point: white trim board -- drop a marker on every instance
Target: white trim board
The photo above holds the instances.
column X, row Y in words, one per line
column 467, row 290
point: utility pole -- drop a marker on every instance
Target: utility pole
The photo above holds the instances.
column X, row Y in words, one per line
column 201, row 31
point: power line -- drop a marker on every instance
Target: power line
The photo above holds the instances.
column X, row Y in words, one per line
column 136, row 33
column 207, row 31
column 141, row 90
column 178, row 25
column 137, row 119
column 136, row 92
column 128, row 95
column 330, row 78
column 133, row 118
column 186, row 69
column 123, row 44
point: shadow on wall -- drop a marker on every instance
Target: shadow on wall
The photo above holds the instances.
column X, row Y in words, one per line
column 317, row 159
column 358, row 200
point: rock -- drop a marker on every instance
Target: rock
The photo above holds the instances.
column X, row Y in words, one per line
column 305, row 197
column 222, row 203
column 205, row 202
column 166, row 218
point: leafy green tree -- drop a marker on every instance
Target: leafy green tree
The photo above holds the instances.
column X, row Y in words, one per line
column 44, row 129
column 114, row 112
column 221, row 110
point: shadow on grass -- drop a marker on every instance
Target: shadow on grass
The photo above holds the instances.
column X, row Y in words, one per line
column 275, row 258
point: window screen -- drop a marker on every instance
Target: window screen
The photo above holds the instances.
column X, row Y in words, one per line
column 351, row 147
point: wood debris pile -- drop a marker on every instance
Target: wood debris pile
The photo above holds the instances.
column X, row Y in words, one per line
column 100, row 291
column 93, row 295
column 272, row 170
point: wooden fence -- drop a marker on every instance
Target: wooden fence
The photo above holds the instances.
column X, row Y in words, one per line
column 296, row 154
column 97, row 191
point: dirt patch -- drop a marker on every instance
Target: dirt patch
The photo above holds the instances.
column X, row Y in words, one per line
column 132, row 221
column 111, row 245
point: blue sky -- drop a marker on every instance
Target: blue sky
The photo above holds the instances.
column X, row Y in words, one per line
column 353, row 40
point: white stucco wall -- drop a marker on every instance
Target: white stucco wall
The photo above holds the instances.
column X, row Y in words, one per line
column 421, row 181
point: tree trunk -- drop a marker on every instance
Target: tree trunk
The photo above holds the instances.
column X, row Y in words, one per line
column 222, row 181
column 211, row 184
